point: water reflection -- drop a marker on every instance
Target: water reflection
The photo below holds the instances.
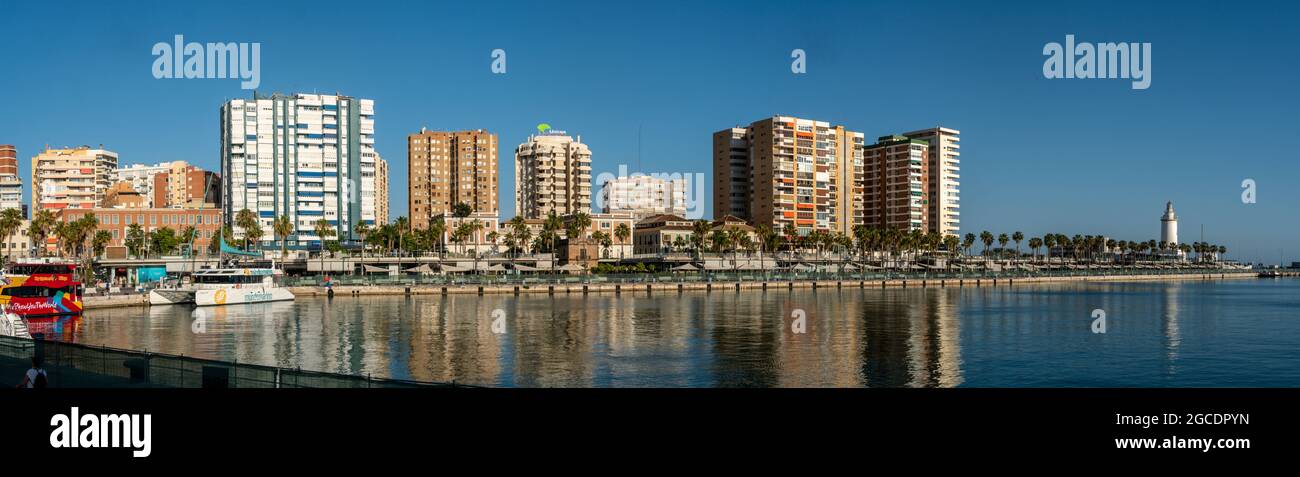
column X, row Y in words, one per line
column 933, row 337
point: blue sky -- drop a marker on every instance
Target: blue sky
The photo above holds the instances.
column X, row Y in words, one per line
column 1039, row 155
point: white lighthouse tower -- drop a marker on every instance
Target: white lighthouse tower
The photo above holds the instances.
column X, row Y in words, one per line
column 1169, row 225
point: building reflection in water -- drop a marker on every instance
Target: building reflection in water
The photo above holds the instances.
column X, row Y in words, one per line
column 850, row 337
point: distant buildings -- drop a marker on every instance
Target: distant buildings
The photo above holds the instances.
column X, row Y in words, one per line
column 784, row 170
column 643, row 196
column 305, row 156
column 171, row 184
column 448, row 168
column 71, row 178
column 552, row 174
column 11, row 185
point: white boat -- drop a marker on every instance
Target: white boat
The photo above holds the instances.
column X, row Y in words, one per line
column 225, row 286
column 171, row 296
column 12, row 325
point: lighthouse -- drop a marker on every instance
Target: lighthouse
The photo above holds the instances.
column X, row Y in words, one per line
column 1169, row 225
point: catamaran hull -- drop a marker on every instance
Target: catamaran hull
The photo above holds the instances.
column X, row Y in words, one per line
column 171, row 297
column 239, row 296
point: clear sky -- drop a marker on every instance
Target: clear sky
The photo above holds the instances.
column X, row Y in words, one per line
column 1038, row 155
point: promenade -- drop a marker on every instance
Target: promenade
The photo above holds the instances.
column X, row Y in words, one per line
column 598, row 284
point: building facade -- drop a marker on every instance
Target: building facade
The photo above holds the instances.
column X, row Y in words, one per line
column 71, row 178
column 944, row 164
column 896, row 184
column 18, row 245
column 305, row 156
column 661, row 234
column 643, row 196
column 118, row 222
column 783, row 171
column 552, row 174
column 447, row 168
column 381, row 190
column 11, row 185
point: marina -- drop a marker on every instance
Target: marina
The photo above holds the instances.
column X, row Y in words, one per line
column 1161, row 333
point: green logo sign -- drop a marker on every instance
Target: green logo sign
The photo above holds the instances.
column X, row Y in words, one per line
column 541, row 128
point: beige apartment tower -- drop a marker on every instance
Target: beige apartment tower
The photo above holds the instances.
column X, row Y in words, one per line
column 944, row 180
column 447, row 168
column 552, row 174
column 784, row 170
column 71, row 178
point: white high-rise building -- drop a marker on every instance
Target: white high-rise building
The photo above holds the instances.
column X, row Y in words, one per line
column 643, row 196
column 305, row 156
column 944, row 206
column 552, row 174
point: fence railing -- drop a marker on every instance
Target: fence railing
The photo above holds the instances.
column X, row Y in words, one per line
column 722, row 275
column 73, row 365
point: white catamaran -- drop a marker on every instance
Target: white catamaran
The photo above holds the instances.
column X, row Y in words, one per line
column 226, row 286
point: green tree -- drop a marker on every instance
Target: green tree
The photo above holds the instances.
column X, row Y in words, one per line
column 41, row 228
column 10, row 221
column 324, row 231
column 282, row 227
column 622, row 232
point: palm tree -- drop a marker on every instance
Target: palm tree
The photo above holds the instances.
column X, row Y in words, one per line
column 282, row 227
column 986, row 238
column 551, row 229
column 41, row 228
column 10, row 221
column 100, row 241
column 1049, row 241
column 765, row 236
column 1035, row 243
column 363, row 231
column 967, row 242
column 622, row 232
column 699, row 234
column 1002, row 245
column 1017, row 237
column 474, row 228
column 323, row 230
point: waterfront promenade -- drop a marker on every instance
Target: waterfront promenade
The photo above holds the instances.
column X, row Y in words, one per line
column 598, row 284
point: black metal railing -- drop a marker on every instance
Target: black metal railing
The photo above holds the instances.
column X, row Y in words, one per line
column 73, row 365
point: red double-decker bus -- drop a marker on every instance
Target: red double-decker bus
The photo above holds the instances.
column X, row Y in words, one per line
column 41, row 289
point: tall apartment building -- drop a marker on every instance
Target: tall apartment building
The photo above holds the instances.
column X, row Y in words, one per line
column 11, row 186
column 944, row 179
column 305, row 156
column 447, row 168
column 552, row 174
column 381, row 190
column 783, row 171
column 896, row 184
column 71, row 178
column 643, row 196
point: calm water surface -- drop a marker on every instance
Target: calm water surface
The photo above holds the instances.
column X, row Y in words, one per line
column 1226, row 333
